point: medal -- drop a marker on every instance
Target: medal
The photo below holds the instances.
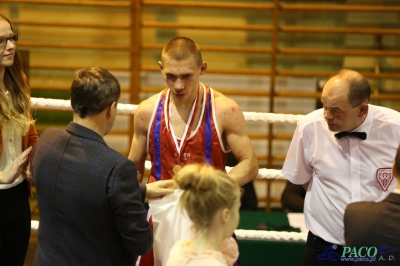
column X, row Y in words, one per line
column 176, row 169
column 186, row 134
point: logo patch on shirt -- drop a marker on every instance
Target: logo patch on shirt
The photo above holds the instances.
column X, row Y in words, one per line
column 384, row 177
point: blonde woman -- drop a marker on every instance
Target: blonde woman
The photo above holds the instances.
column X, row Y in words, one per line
column 17, row 136
column 212, row 201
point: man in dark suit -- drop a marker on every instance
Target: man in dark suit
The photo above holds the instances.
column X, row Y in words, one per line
column 91, row 205
column 375, row 224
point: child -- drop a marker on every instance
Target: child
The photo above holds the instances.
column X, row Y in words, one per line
column 212, row 201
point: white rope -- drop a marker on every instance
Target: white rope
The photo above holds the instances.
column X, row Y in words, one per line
column 246, row 234
column 53, row 104
column 57, row 104
column 271, row 117
column 34, row 225
column 270, row 235
column 264, row 173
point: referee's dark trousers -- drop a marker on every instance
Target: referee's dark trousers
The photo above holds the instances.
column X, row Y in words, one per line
column 320, row 252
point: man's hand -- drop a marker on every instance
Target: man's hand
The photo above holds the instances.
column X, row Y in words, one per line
column 159, row 188
column 16, row 168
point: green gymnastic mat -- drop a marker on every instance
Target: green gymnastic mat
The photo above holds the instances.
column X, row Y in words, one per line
column 259, row 253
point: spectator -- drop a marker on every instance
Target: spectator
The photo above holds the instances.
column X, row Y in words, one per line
column 17, row 136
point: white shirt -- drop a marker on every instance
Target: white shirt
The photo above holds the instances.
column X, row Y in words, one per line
column 343, row 170
column 12, row 147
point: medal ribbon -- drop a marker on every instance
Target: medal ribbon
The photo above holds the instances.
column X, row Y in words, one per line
column 179, row 147
column 157, row 139
column 208, row 130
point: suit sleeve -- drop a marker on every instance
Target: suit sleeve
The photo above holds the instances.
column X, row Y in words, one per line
column 293, row 197
column 346, row 218
column 354, row 216
column 143, row 190
column 125, row 197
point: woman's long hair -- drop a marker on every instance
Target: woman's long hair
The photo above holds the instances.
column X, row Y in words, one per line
column 15, row 108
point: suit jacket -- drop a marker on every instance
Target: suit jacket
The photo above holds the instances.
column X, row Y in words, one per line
column 376, row 224
column 91, row 210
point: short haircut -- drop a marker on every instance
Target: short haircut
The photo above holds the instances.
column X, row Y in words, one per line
column 93, row 90
column 359, row 88
column 181, row 48
column 397, row 163
column 206, row 190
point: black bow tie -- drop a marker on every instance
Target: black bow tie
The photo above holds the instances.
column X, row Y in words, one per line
column 360, row 135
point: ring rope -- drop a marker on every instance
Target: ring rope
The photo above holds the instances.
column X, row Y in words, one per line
column 57, row 104
column 270, row 235
column 242, row 234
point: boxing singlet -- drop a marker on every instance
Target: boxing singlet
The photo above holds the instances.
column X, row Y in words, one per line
column 203, row 146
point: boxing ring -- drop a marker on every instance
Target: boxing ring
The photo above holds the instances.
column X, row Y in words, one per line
column 253, row 235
